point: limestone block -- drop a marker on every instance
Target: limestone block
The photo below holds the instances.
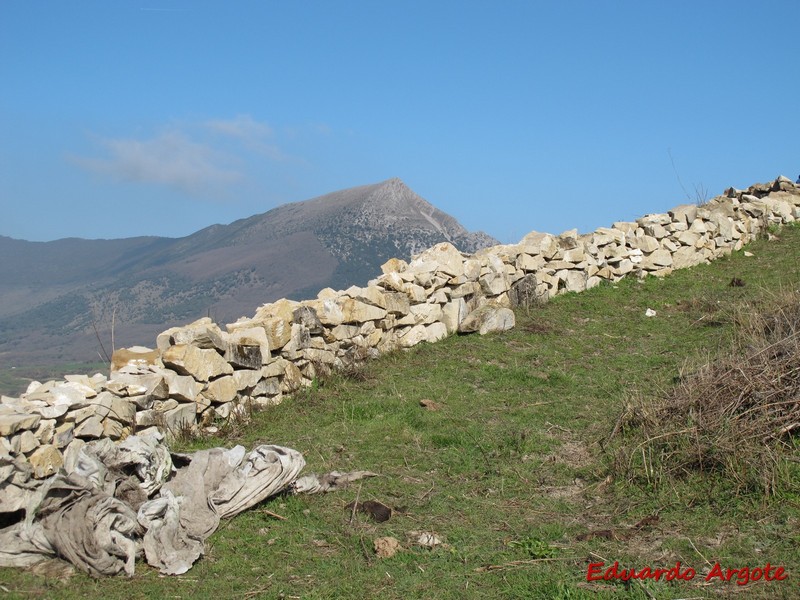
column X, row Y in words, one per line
column 279, row 329
column 396, row 303
column 180, row 418
column 251, row 336
column 623, row 267
column 605, row 273
column 416, row 293
column 181, row 387
column 284, row 308
column 413, row 336
column 488, row 319
column 493, row 284
column 246, row 378
column 424, row 279
column 452, row 314
column 45, row 431
column 435, row 332
column 371, row 294
column 466, row 289
column 655, row 230
column 688, row 238
column 320, row 356
column 440, row 296
column 657, row 260
column 685, row 213
column 91, row 428
column 129, row 384
column 345, row 332
column 221, row 390
column 12, row 423
column 355, row 311
column 244, row 357
column 122, row 410
column 686, row 256
column 292, row 378
column 646, row 243
column 568, row 239
column 63, row 435
column 723, row 225
column 536, row 243
column 575, row 255
column 25, row 442
column 199, row 363
column 530, row 263
column 426, row 313
column 394, row 265
column 447, row 258
column 662, row 272
column 267, row 387
column 113, row 429
column 575, row 281
column 164, row 339
column 148, row 418
column 654, row 219
column 276, row 368
column 391, row 281
column 670, row 246
column 676, row 226
column 308, row 318
column 203, row 333
column 698, row 226
column 625, row 227
column 46, row 461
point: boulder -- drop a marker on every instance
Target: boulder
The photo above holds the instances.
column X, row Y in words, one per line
column 355, row 311
column 180, row 387
column 221, row 390
column 199, row 363
column 488, row 319
column 203, row 333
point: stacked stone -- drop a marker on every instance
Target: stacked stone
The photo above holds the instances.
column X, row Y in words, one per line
column 200, row 374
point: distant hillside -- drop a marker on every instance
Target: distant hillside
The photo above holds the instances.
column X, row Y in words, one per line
column 52, row 293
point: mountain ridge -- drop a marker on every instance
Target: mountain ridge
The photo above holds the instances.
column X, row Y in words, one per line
column 54, row 294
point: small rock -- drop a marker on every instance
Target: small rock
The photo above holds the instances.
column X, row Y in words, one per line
column 386, row 547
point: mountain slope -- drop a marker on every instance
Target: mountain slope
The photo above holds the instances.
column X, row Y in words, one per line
column 53, row 294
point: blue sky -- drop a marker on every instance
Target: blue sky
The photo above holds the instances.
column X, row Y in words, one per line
column 158, row 117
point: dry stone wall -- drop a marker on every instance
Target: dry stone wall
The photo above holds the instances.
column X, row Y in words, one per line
column 200, row 375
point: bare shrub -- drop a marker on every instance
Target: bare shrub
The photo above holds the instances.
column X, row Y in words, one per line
column 737, row 416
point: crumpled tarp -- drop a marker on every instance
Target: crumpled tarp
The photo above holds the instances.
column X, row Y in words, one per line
column 123, row 500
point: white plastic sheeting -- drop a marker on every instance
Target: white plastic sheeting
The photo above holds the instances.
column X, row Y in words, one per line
column 123, row 500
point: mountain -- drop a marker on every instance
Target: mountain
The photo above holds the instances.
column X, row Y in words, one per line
column 54, row 294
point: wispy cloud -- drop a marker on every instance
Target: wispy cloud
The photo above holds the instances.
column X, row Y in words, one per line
column 255, row 135
column 243, row 127
column 170, row 158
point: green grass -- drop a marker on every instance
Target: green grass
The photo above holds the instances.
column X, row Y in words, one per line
column 510, row 471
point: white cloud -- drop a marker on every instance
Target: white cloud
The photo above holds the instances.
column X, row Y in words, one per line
column 241, row 126
column 169, row 159
column 253, row 134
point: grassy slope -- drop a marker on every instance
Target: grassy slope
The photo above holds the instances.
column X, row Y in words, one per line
column 510, row 470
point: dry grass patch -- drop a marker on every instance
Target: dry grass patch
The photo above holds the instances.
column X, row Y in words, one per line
column 737, row 416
